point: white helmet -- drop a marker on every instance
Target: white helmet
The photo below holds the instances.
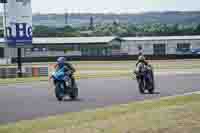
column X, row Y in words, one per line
column 141, row 58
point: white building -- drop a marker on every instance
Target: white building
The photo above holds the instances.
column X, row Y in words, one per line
column 105, row 46
column 167, row 45
column 66, row 46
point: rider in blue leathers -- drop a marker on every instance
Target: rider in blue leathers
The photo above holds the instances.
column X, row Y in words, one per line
column 67, row 69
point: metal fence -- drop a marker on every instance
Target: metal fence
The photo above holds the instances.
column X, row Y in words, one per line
column 11, row 72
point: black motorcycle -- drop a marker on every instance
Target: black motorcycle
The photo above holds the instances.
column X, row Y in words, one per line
column 145, row 80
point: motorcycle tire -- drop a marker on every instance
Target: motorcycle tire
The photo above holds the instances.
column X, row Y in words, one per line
column 152, row 87
column 74, row 94
column 141, row 87
column 58, row 94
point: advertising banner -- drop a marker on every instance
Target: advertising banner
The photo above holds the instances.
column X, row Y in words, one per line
column 18, row 22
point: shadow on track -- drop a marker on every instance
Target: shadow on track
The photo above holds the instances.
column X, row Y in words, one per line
column 154, row 93
column 71, row 100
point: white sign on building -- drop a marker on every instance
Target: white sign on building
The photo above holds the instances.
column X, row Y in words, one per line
column 18, row 22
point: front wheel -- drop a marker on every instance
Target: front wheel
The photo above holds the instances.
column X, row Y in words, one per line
column 58, row 92
column 141, row 86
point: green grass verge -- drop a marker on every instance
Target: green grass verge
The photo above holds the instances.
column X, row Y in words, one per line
column 173, row 115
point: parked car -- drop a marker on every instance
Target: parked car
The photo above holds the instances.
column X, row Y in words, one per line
column 183, row 51
column 195, row 51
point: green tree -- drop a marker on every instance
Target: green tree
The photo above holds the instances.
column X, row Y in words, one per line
column 42, row 31
column 1, row 33
column 197, row 30
column 176, row 29
column 71, row 34
column 69, row 29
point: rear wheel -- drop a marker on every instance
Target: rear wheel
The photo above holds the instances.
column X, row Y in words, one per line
column 151, row 84
column 74, row 94
column 151, row 91
column 151, row 88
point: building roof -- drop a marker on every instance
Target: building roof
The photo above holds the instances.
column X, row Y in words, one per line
column 69, row 40
column 72, row 40
column 158, row 38
column 106, row 39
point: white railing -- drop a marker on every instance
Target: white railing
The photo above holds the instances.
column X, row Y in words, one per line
column 5, row 61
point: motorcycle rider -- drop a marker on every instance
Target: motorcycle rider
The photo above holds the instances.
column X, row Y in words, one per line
column 141, row 61
column 140, row 64
column 68, row 69
column 143, row 68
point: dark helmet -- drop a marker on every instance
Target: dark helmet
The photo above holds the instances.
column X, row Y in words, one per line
column 61, row 60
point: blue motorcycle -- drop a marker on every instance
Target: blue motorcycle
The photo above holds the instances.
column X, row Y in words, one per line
column 64, row 84
column 145, row 80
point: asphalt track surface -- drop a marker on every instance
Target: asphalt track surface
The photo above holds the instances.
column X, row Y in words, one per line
column 31, row 101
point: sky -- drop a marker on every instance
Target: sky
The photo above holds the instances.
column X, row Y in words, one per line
column 113, row 6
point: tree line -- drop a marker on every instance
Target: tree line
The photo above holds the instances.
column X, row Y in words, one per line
column 116, row 29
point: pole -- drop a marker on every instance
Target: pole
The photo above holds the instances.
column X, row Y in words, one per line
column 5, row 17
column 19, row 62
column 19, row 54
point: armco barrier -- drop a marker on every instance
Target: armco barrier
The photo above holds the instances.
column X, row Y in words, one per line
column 35, row 72
column 43, row 71
column 5, row 61
column 3, row 73
column 28, row 72
column 11, row 72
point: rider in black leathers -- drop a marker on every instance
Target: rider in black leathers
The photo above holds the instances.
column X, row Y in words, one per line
column 143, row 68
column 140, row 66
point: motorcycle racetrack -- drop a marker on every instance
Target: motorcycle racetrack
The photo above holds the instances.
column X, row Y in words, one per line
column 34, row 100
